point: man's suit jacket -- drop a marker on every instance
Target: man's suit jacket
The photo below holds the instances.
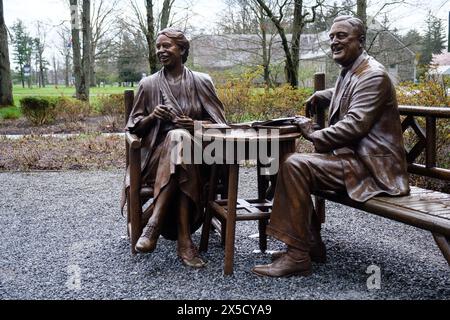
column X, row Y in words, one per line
column 365, row 131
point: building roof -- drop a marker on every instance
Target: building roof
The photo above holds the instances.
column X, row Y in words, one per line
column 441, row 59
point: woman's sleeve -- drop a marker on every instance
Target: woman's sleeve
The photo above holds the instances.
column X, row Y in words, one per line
column 139, row 110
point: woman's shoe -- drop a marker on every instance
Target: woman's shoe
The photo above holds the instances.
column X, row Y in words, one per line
column 148, row 239
column 190, row 257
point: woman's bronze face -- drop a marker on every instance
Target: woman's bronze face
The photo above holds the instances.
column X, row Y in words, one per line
column 168, row 52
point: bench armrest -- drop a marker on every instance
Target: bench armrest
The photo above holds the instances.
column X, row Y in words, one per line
column 133, row 140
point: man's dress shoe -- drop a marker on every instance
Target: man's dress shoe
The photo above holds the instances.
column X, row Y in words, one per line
column 285, row 266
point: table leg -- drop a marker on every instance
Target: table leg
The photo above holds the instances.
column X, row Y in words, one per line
column 231, row 218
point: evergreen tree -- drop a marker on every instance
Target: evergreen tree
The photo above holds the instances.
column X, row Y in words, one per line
column 413, row 40
column 434, row 40
column 22, row 49
column 128, row 56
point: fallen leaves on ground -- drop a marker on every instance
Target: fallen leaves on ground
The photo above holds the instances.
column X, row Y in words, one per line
column 86, row 151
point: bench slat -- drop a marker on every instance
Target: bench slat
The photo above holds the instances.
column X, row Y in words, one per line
column 416, row 190
column 435, row 220
column 417, row 198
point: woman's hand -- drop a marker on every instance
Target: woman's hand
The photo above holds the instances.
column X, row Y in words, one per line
column 184, row 122
column 163, row 113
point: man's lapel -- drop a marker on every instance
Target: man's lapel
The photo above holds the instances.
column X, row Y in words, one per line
column 342, row 85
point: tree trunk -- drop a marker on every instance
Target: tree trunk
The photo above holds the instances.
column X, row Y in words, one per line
column 37, row 77
column 165, row 13
column 361, row 10
column 66, row 71
column 86, row 60
column 289, row 67
column 92, row 76
column 297, row 27
column 93, row 47
column 265, row 53
column 55, row 73
column 299, row 21
column 41, row 71
column 6, row 96
column 150, row 36
column 76, row 48
column 93, row 82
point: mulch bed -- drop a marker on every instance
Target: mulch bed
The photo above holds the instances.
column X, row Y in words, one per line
column 84, row 152
column 88, row 150
column 88, row 125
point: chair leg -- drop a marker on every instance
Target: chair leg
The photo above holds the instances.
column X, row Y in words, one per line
column 262, row 224
column 206, row 230
column 134, row 198
column 208, row 214
column 128, row 214
column 223, row 232
column 444, row 245
column 231, row 219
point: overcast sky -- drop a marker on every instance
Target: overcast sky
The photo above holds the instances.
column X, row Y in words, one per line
column 53, row 12
column 56, row 11
column 405, row 15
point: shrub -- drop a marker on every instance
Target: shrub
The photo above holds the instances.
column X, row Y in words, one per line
column 11, row 113
column 243, row 101
column 283, row 101
column 235, row 95
column 426, row 93
column 70, row 109
column 39, row 110
column 111, row 104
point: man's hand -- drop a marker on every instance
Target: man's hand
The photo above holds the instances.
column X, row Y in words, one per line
column 305, row 125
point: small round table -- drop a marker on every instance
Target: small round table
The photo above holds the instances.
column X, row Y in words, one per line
column 242, row 142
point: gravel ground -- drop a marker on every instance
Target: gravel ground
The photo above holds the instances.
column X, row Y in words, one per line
column 63, row 238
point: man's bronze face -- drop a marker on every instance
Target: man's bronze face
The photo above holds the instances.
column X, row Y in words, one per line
column 168, row 52
column 345, row 43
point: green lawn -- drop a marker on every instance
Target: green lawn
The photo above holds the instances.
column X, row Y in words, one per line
column 19, row 92
column 61, row 90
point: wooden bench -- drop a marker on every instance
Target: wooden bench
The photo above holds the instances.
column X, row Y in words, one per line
column 422, row 208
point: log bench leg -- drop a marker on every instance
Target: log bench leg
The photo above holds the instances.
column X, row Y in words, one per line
column 444, row 245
